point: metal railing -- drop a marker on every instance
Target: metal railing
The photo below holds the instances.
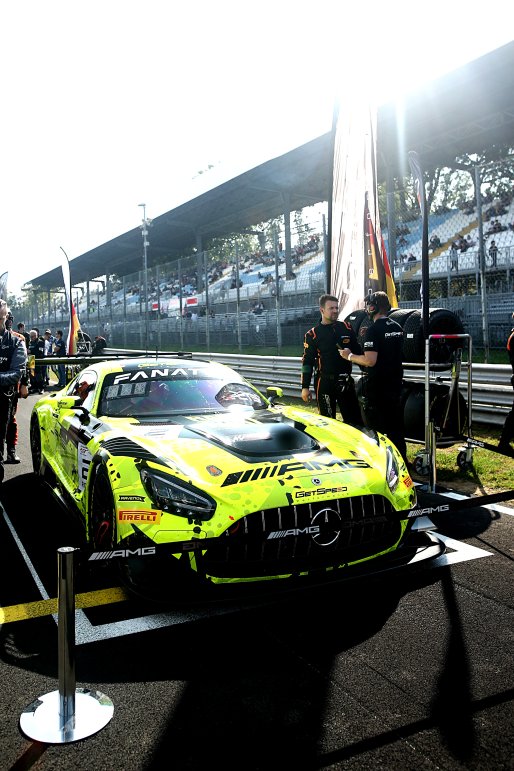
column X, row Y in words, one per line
column 492, row 395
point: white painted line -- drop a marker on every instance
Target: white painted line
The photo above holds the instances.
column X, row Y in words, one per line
column 25, row 556
column 462, row 552
column 86, row 632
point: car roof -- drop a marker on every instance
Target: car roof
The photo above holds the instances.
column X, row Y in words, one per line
column 133, row 364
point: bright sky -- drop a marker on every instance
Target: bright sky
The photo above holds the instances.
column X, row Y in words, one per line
column 110, row 103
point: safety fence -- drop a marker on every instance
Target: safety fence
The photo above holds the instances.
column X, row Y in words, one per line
column 261, row 289
column 491, row 389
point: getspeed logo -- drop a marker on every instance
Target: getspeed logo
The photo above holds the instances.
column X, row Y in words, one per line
column 283, row 469
column 320, row 491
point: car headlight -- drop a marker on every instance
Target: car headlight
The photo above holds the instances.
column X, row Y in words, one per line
column 392, row 470
column 169, row 495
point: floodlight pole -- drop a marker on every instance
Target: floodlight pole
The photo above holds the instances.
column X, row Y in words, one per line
column 146, row 244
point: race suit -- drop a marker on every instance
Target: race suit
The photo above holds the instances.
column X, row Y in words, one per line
column 333, row 383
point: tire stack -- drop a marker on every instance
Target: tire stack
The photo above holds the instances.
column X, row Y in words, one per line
column 440, row 322
column 449, row 423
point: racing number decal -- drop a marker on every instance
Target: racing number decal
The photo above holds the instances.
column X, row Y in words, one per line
column 84, row 461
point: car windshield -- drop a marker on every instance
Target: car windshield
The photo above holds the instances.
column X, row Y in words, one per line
column 162, row 397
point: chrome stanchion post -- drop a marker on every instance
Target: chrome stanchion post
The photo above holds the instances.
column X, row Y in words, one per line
column 66, row 637
column 68, row 714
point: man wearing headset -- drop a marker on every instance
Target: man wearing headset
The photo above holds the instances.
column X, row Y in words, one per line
column 382, row 363
column 333, row 382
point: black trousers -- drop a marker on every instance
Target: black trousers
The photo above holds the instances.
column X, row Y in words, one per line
column 332, row 394
column 5, row 418
column 383, row 412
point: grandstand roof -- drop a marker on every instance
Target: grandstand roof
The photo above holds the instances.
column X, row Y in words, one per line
column 465, row 111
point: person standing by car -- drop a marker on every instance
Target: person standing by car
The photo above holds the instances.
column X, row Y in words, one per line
column 37, row 349
column 382, row 363
column 508, row 427
column 22, row 391
column 13, row 360
column 59, row 350
column 333, row 382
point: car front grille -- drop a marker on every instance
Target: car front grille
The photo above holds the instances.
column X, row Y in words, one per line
column 306, row 537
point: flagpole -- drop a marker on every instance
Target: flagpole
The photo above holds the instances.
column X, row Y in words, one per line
column 328, row 255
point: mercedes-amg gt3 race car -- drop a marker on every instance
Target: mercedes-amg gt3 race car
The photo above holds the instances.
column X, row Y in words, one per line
column 183, row 463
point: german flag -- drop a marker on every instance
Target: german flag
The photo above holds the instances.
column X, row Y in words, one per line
column 378, row 269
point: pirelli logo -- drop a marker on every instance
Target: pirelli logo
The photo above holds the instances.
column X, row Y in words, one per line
column 152, row 517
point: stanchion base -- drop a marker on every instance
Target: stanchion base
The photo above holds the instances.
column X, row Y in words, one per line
column 40, row 720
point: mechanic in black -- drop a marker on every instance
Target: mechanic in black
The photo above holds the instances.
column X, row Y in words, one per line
column 13, row 361
column 382, row 364
column 333, row 382
column 508, row 427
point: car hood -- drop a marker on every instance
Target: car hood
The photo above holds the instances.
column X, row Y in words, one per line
column 189, row 442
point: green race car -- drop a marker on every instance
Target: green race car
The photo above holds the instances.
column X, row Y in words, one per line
column 182, row 464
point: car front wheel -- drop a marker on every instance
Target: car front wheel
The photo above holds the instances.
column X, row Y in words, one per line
column 102, row 522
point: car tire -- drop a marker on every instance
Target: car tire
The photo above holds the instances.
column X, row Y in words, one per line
column 35, row 448
column 440, row 321
column 101, row 514
column 356, row 318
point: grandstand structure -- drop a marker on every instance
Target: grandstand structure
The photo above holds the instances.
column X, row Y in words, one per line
column 197, row 298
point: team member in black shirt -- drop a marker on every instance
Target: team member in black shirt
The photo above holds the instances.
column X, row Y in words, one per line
column 382, row 363
column 333, row 382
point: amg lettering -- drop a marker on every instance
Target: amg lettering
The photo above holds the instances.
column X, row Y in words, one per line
column 295, row 531
column 428, row 510
column 327, row 463
column 144, row 551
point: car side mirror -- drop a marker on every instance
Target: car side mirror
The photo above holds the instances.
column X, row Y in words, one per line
column 74, row 403
column 273, row 393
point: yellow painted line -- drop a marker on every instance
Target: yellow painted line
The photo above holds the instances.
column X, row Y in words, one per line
column 49, row 607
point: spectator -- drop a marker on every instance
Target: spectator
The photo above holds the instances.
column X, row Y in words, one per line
column 49, row 342
column 493, row 253
column 435, row 242
column 37, row 350
column 21, row 331
column 59, row 350
column 98, row 346
column 454, row 257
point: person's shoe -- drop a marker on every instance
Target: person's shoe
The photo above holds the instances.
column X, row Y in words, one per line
column 12, row 457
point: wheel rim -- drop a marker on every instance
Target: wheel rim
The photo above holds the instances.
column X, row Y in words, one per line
column 102, row 512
